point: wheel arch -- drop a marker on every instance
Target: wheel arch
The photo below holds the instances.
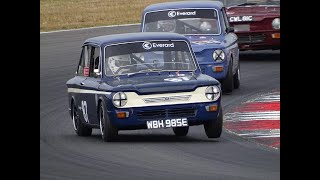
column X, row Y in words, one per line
column 100, row 100
column 72, row 102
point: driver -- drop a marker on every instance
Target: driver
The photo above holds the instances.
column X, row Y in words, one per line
column 205, row 27
column 167, row 25
column 119, row 64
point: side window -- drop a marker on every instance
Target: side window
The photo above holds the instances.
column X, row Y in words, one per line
column 225, row 18
column 94, row 70
column 97, row 61
column 83, row 67
column 81, row 64
column 87, row 52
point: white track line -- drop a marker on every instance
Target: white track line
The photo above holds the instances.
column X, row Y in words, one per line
column 249, row 116
column 262, row 133
column 97, row 27
column 267, row 98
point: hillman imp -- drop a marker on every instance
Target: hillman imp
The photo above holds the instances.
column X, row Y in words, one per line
column 257, row 24
column 142, row 81
column 206, row 25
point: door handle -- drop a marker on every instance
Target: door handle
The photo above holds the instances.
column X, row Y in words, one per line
column 82, row 83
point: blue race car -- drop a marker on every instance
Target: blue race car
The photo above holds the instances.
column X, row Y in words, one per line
column 206, row 25
column 142, row 81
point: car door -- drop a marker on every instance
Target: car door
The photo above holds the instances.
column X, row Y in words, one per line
column 91, row 84
column 76, row 86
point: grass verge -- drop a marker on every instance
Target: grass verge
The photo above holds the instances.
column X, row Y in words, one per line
column 70, row 14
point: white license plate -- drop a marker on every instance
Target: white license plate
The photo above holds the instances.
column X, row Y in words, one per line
column 240, row 18
column 168, row 123
column 241, row 28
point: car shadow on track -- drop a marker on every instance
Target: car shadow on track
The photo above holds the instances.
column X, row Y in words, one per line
column 155, row 138
column 260, row 55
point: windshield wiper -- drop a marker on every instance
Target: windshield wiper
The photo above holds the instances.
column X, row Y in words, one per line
column 151, row 70
column 246, row 4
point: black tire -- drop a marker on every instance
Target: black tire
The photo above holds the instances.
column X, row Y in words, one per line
column 227, row 84
column 181, row 131
column 213, row 129
column 79, row 127
column 236, row 78
column 108, row 131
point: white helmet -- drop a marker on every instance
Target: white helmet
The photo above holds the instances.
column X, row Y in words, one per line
column 167, row 25
column 205, row 26
column 115, row 62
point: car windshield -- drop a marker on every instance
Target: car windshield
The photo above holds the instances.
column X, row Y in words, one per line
column 148, row 56
column 183, row 21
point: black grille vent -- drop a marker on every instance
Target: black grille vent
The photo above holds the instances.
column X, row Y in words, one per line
column 181, row 112
column 251, row 38
column 163, row 113
column 151, row 114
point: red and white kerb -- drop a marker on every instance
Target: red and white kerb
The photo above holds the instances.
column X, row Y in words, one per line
column 257, row 119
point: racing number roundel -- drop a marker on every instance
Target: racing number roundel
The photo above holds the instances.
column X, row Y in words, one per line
column 84, row 108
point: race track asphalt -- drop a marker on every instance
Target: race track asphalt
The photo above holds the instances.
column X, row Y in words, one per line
column 144, row 154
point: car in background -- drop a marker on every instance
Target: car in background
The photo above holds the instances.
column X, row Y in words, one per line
column 257, row 24
column 206, row 25
column 142, row 81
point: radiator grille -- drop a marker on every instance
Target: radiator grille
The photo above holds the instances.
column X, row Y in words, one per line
column 251, row 38
column 167, row 99
column 163, row 113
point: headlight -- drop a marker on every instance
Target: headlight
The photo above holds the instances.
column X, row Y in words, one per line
column 213, row 93
column 218, row 55
column 119, row 99
column 276, row 23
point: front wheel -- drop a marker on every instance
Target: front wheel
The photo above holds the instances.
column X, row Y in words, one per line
column 227, row 84
column 236, row 78
column 108, row 131
column 79, row 127
column 181, row 131
column 213, row 129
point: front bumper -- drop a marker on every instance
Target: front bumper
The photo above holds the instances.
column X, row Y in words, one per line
column 195, row 113
column 259, row 40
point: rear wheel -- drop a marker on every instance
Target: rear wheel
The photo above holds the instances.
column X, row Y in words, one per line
column 78, row 126
column 108, row 131
column 227, row 84
column 213, row 129
column 181, row 131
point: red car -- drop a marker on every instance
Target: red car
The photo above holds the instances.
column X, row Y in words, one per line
column 257, row 24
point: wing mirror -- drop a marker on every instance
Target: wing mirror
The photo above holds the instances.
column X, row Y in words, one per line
column 97, row 72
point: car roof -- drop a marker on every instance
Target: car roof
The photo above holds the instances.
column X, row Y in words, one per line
column 130, row 37
column 184, row 4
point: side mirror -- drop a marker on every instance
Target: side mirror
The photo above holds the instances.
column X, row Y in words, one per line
column 230, row 29
column 96, row 70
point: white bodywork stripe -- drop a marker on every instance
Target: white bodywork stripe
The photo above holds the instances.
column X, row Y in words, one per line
column 76, row 90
